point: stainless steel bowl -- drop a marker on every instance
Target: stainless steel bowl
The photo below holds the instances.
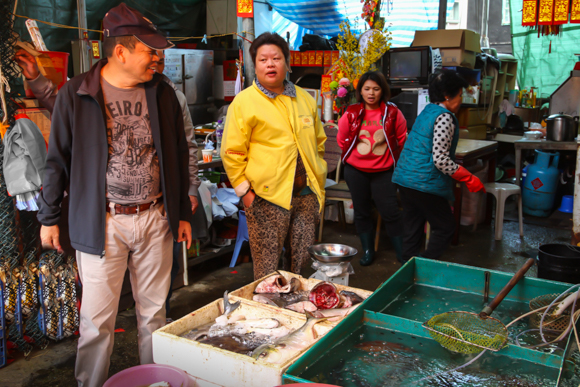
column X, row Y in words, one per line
column 332, row 252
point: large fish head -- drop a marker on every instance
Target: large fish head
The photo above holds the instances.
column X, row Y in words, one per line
column 269, row 353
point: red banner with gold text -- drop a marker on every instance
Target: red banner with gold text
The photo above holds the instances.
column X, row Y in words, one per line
column 529, row 13
column 245, row 8
column 575, row 11
column 545, row 12
column 561, row 11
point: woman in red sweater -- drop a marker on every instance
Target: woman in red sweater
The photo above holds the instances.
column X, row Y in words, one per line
column 371, row 135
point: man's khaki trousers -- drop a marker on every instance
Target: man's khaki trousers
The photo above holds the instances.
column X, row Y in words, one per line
column 143, row 243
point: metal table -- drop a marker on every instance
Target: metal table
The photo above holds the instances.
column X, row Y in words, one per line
column 215, row 163
column 466, row 154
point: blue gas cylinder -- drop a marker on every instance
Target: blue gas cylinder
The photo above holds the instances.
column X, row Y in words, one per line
column 540, row 184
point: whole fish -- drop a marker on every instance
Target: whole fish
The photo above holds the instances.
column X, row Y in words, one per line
column 232, row 344
column 283, row 348
column 302, row 306
column 278, row 284
column 203, row 330
column 281, row 300
column 273, row 299
column 242, row 327
column 334, row 314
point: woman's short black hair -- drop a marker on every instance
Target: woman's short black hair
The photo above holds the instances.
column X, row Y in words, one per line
column 270, row 38
column 377, row 77
column 445, row 84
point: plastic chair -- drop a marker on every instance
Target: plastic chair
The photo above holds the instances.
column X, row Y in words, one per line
column 241, row 237
column 502, row 191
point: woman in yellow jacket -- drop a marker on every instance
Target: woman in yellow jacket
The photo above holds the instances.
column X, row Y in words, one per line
column 272, row 150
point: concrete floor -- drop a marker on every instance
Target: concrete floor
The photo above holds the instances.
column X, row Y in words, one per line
column 54, row 366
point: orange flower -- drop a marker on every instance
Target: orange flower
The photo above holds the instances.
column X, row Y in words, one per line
column 355, row 83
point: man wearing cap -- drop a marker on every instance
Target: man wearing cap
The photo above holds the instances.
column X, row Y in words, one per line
column 118, row 147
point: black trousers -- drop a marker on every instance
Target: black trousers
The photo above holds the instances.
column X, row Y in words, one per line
column 368, row 187
column 418, row 208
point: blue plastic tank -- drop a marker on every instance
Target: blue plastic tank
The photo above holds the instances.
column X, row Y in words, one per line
column 540, row 184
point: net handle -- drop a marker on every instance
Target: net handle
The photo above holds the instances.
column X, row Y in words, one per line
column 504, row 292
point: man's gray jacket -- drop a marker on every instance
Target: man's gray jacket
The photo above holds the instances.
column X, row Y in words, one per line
column 78, row 155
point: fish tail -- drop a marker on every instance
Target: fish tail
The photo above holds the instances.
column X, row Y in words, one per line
column 229, row 307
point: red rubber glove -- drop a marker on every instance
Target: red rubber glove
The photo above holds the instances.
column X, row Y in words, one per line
column 471, row 181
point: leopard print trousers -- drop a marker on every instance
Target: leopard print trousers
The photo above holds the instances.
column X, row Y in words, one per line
column 268, row 226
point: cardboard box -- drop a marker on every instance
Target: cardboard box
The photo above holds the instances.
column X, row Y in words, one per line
column 457, row 47
column 478, row 132
column 472, row 116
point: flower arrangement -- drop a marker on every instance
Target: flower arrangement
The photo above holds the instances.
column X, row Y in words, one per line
column 343, row 92
column 354, row 62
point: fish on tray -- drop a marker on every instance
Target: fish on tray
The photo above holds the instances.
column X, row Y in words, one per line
column 281, row 300
column 233, row 344
column 285, row 347
column 278, row 284
column 302, row 307
column 236, row 333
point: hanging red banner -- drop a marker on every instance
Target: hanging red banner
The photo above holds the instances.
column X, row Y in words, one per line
column 529, row 13
column 245, row 8
column 545, row 12
column 575, row 11
column 561, row 11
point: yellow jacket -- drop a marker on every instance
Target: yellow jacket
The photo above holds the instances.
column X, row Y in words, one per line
column 260, row 143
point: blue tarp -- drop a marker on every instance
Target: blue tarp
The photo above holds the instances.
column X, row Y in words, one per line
column 323, row 17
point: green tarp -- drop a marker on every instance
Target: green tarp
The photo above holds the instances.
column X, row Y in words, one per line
column 537, row 64
column 176, row 17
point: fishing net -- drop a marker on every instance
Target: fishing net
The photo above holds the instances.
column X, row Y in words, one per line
column 551, row 322
column 466, row 332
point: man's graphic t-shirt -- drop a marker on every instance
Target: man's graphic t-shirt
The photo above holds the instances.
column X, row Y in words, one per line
column 133, row 167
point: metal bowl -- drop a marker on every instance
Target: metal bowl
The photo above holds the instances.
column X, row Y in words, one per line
column 332, row 252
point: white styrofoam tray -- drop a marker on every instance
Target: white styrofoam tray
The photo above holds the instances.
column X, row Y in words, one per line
column 212, row 366
column 247, row 292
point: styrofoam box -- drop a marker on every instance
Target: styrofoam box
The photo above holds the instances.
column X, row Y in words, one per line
column 212, row 366
column 247, row 292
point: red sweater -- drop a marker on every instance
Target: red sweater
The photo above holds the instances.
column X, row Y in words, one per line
column 371, row 153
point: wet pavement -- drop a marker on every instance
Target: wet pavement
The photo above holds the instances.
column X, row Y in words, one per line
column 54, row 366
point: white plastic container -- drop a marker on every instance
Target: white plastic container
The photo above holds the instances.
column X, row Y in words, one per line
column 211, row 366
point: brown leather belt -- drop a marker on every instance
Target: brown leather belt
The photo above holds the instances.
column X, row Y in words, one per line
column 130, row 209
